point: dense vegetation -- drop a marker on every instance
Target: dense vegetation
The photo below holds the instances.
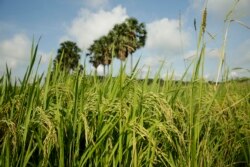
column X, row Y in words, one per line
column 75, row 119
column 79, row 120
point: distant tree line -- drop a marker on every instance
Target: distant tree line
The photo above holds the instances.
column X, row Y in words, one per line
column 123, row 40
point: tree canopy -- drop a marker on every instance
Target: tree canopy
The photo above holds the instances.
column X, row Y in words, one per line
column 123, row 40
column 68, row 55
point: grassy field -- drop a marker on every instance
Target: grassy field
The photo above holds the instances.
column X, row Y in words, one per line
column 82, row 120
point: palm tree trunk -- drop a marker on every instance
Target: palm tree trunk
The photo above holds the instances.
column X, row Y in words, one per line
column 120, row 65
column 95, row 71
column 131, row 63
column 104, row 70
column 108, row 70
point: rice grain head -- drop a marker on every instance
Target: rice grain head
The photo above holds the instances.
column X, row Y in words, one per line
column 204, row 20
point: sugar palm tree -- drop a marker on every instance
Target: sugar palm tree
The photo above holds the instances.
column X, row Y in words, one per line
column 128, row 37
column 68, row 55
column 120, row 41
column 100, row 52
column 123, row 40
column 136, row 34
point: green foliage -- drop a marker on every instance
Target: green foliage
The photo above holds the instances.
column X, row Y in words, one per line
column 81, row 120
column 68, row 56
column 122, row 40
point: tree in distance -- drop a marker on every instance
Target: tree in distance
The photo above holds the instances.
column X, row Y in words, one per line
column 123, row 40
column 68, row 56
column 100, row 52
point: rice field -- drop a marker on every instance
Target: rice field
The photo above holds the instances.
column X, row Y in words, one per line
column 61, row 119
column 82, row 120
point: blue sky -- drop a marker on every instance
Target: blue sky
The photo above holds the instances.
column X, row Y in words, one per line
column 83, row 21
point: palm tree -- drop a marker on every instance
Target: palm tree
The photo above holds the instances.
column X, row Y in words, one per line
column 68, row 55
column 94, row 57
column 100, row 52
column 123, row 40
column 120, row 40
column 105, row 43
column 137, row 35
column 128, row 37
column 95, row 62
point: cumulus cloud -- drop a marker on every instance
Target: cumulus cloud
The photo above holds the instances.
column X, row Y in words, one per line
column 14, row 52
column 164, row 42
column 164, row 36
column 88, row 26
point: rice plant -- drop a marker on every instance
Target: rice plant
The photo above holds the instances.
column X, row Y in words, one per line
column 62, row 119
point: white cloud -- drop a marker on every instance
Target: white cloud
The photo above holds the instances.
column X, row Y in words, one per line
column 164, row 36
column 88, row 26
column 14, row 52
column 164, row 43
